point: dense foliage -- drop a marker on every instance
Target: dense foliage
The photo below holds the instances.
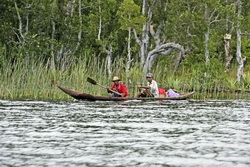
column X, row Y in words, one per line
column 65, row 41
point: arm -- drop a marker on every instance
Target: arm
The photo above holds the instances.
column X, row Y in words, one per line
column 112, row 87
column 124, row 91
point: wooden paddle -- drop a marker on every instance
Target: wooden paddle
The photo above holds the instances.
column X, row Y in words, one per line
column 92, row 81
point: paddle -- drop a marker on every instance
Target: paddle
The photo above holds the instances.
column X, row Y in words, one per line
column 92, row 81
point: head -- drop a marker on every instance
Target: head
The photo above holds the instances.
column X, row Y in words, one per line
column 149, row 77
column 116, row 80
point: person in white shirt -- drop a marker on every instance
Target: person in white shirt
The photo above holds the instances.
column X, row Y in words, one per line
column 151, row 90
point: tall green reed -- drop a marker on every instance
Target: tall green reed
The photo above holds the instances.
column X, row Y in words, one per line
column 37, row 80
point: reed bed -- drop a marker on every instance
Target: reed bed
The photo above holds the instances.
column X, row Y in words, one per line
column 38, row 80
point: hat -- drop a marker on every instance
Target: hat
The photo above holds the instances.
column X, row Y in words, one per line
column 149, row 75
column 116, row 79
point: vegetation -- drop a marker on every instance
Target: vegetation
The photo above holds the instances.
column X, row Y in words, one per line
column 182, row 42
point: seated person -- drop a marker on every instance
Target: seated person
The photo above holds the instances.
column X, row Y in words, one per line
column 118, row 87
column 151, row 90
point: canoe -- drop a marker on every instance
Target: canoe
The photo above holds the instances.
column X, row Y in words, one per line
column 88, row 97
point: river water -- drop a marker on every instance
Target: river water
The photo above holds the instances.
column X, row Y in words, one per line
column 170, row 133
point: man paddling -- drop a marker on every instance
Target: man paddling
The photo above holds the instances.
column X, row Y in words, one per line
column 151, row 90
column 118, row 87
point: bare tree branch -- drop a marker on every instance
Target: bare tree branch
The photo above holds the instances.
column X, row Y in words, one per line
column 20, row 24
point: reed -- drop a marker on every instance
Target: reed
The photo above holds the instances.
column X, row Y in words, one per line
column 36, row 80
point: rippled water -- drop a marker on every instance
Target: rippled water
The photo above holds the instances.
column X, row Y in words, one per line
column 175, row 133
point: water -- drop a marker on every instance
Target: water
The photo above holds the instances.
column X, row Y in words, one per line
column 174, row 133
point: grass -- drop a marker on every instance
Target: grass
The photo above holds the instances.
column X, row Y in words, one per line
column 38, row 81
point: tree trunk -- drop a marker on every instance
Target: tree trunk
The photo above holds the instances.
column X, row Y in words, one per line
column 79, row 37
column 129, row 57
column 109, row 56
column 206, row 47
column 100, row 22
column 164, row 49
column 20, row 29
column 227, row 20
column 144, row 37
column 27, row 24
column 207, row 35
column 52, row 63
column 178, row 61
column 228, row 58
column 239, row 58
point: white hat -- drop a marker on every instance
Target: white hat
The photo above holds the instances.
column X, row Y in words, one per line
column 116, row 79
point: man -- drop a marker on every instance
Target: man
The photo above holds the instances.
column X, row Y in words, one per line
column 151, row 90
column 118, row 87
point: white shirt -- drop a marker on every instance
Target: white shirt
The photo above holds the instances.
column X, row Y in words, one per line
column 154, row 88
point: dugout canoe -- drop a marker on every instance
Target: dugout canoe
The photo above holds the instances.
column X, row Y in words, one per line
column 89, row 97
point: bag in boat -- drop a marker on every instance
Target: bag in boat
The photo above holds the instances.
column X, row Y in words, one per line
column 172, row 93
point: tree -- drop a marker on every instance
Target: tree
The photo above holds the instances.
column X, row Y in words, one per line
column 239, row 58
column 129, row 17
column 213, row 11
column 102, row 17
column 161, row 47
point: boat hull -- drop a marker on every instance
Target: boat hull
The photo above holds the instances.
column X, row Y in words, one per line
column 88, row 97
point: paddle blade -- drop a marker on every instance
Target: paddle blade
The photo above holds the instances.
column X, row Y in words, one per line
column 90, row 80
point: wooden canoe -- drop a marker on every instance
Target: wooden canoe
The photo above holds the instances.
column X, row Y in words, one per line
column 88, row 97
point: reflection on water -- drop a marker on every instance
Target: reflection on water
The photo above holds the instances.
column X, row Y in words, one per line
column 175, row 133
